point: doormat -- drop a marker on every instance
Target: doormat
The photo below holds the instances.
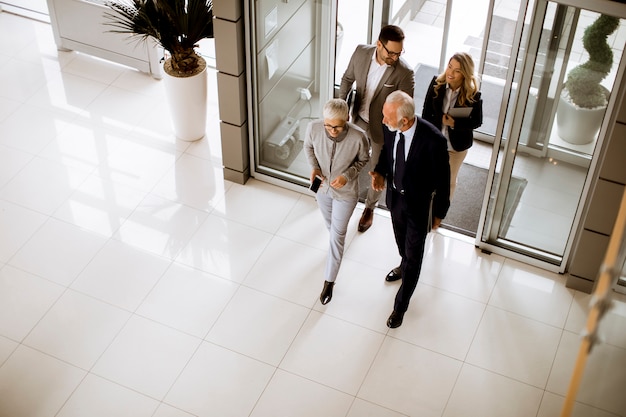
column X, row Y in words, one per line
column 464, row 213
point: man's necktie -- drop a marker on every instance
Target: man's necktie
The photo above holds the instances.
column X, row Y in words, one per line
column 399, row 171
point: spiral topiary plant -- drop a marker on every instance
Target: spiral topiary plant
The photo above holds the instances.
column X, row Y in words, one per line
column 583, row 82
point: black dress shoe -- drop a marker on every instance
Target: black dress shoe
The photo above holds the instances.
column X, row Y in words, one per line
column 394, row 275
column 327, row 292
column 395, row 320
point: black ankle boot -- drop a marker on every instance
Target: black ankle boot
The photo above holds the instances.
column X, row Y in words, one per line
column 327, row 292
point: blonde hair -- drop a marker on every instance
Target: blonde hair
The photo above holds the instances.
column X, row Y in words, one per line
column 469, row 86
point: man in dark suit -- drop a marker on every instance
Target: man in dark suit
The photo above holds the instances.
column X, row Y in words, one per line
column 377, row 70
column 418, row 189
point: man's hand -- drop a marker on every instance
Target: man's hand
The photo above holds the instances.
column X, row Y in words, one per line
column 436, row 222
column 378, row 181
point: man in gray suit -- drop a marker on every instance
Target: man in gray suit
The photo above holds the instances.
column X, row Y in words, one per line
column 377, row 71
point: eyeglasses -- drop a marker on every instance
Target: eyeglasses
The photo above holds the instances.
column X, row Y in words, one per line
column 331, row 127
column 392, row 54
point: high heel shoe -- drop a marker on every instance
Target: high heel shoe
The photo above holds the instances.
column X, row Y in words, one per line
column 327, row 292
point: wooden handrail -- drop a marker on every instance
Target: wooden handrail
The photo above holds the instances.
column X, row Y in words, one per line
column 601, row 300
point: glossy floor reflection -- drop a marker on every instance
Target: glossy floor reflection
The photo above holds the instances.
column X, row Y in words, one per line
column 135, row 281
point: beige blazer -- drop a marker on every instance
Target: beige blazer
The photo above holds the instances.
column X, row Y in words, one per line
column 397, row 77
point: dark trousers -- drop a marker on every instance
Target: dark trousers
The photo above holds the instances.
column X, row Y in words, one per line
column 410, row 235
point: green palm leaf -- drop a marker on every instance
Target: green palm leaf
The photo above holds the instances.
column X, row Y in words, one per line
column 177, row 25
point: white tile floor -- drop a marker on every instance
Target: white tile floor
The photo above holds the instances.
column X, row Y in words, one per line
column 135, row 281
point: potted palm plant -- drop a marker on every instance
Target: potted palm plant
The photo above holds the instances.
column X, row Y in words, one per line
column 177, row 26
column 583, row 99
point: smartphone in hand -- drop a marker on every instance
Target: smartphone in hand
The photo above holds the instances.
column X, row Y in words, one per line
column 315, row 185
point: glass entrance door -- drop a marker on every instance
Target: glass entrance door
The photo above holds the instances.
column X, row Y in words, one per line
column 434, row 31
column 539, row 175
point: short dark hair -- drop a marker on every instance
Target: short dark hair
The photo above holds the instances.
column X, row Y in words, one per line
column 391, row 33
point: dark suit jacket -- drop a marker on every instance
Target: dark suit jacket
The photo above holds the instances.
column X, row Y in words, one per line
column 426, row 170
column 397, row 77
column 462, row 136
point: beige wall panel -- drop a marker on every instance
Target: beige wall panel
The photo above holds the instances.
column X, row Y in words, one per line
column 236, row 176
column 229, row 46
column 235, row 146
column 621, row 113
column 227, row 9
column 579, row 284
column 614, row 166
column 589, row 255
column 232, row 98
column 604, row 206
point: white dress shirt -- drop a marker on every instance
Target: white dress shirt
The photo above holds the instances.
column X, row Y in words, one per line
column 374, row 75
column 448, row 101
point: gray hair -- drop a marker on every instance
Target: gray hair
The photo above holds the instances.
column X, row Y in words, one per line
column 336, row 109
column 405, row 103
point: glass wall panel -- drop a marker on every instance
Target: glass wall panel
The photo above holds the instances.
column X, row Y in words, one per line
column 501, row 46
column 353, row 28
column 293, row 49
column 424, row 26
column 423, row 20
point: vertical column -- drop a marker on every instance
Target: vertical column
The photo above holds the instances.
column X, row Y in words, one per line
column 603, row 206
column 231, row 87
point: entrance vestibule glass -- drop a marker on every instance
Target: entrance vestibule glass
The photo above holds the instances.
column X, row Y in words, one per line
column 523, row 51
column 539, row 177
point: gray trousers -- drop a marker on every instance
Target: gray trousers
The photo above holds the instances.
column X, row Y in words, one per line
column 336, row 214
column 375, row 148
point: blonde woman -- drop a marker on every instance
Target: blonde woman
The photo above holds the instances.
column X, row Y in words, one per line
column 456, row 87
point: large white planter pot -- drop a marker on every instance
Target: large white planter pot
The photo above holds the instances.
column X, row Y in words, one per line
column 576, row 125
column 187, row 101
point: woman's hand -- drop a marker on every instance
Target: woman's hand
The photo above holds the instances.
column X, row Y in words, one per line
column 448, row 120
column 314, row 173
column 339, row 182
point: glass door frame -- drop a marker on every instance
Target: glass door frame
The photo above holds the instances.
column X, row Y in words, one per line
column 318, row 90
column 487, row 236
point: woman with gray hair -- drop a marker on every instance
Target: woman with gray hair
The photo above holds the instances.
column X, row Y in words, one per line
column 336, row 150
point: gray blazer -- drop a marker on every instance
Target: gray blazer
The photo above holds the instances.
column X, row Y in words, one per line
column 397, row 77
